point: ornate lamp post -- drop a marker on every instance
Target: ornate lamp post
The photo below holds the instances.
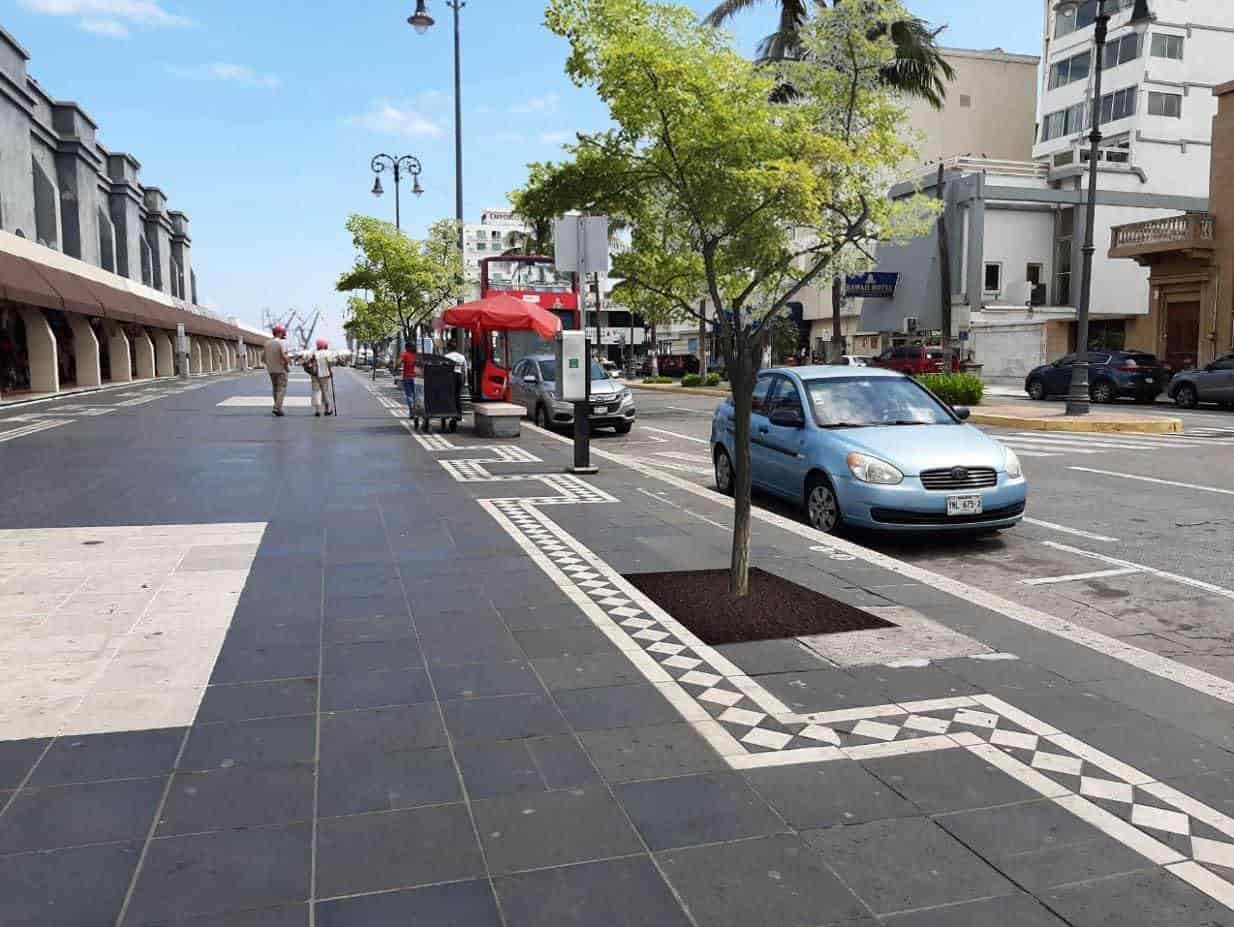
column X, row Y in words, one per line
column 399, row 164
column 1141, row 19
column 421, row 21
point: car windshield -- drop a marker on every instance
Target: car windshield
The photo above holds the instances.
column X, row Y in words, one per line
column 860, row 402
column 548, row 370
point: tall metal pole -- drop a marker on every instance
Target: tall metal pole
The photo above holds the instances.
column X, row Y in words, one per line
column 457, row 6
column 1078, row 398
column 398, row 209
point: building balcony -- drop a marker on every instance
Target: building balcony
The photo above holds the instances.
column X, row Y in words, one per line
column 1192, row 233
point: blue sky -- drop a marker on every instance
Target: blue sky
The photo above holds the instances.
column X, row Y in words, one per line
column 259, row 118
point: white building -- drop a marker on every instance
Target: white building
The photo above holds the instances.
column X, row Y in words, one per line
column 497, row 231
column 1017, row 228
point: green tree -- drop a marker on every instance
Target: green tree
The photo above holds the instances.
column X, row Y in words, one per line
column 371, row 322
column 727, row 195
column 408, row 280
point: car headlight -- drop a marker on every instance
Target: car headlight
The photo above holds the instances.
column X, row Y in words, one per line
column 626, row 396
column 872, row 470
column 1014, row 469
column 560, row 405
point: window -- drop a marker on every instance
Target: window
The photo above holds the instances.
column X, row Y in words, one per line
column 1226, row 363
column 1066, row 233
column 1118, row 105
column 1165, row 104
column 1069, row 121
column 966, row 101
column 1120, row 51
column 1032, row 273
column 994, row 278
column 762, row 390
column 1070, row 69
column 1167, row 46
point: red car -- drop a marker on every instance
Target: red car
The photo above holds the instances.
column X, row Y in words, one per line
column 915, row 359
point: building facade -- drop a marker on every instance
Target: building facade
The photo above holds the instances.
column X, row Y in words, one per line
column 497, row 231
column 96, row 271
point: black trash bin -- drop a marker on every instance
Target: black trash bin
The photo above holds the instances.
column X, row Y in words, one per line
column 440, row 395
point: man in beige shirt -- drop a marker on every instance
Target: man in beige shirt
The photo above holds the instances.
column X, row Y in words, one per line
column 276, row 366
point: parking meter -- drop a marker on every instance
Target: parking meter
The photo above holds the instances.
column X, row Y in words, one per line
column 573, row 384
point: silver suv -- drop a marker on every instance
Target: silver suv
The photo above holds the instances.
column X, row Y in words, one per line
column 533, row 381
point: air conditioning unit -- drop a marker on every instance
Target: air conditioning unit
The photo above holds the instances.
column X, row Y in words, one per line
column 910, row 324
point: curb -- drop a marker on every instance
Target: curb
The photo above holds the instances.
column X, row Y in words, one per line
column 1159, row 426
column 686, row 390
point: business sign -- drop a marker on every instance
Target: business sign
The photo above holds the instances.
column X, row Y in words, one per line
column 873, row 285
column 620, row 336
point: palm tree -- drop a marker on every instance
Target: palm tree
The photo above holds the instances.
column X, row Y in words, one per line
column 919, row 69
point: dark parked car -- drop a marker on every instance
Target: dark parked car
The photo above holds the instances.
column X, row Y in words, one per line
column 1111, row 375
column 1215, row 383
column 915, row 360
column 672, row 365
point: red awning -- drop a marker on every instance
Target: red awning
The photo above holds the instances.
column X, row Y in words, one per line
column 503, row 313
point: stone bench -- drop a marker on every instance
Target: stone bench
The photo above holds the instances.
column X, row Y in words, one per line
column 498, row 419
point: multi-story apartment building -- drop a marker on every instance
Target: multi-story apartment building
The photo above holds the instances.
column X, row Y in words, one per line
column 497, row 231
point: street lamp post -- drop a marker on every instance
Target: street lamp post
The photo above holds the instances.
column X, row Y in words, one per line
column 399, row 163
column 421, row 21
column 1141, row 19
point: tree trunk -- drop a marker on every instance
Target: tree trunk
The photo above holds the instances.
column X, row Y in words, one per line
column 655, row 361
column 741, row 376
column 836, row 349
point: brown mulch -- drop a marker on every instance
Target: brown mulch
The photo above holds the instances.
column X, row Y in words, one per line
column 775, row 608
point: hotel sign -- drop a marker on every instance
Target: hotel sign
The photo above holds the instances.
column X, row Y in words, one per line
column 871, row 286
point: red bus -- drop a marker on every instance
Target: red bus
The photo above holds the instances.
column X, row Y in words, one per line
column 533, row 278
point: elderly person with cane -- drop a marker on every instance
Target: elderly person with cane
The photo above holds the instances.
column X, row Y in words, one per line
column 317, row 365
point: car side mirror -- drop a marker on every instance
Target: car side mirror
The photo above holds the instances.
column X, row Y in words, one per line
column 787, row 417
column 961, row 412
column 531, row 379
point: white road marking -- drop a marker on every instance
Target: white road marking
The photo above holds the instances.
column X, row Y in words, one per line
column 1149, row 662
column 1140, row 568
column 1065, row 530
column 1070, row 442
column 32, row 429
column 1079, row 577
column 688, row 458
column 1152, row 479
column 674, row 434
column 253, row 402
column 663, row 501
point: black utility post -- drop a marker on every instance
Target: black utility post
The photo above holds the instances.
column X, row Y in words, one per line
column 944, row 268
column 399, row 163
column 582, row 422
column 421, row 21
column 1141, row 19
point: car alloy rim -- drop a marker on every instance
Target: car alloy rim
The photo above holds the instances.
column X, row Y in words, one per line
column 822, row 508
column 724, row 473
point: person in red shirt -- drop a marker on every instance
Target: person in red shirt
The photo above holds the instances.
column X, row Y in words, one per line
column 408, row 360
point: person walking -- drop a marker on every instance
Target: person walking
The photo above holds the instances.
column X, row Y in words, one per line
column 275, row 355
column 318, row 367
column 408, row 360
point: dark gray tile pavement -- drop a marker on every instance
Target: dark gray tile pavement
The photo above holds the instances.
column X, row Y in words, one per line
column 408, row 725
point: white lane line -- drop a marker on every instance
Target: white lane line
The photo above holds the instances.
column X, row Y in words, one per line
column 1049, row 446
column 680, row 508
column 1078, row 577
column 691, row 411
column 685, row 458
column 1020, row 452
column 1116, row 439
column 28, row 430
column 1141, row 568
column 674, row 434
column 1065, row 530
column 1151, row 479
column 1152, row 663
column 1198, row 877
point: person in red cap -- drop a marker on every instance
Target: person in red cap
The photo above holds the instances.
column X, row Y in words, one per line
column 318, row 367
column 276, row 366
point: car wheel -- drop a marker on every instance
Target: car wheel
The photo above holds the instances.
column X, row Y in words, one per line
column 1102, row 391
column 1186, row 397
column 541, row 417
column 1036, row 390
column 725, row 477
column 624, row 428
column 822, row 506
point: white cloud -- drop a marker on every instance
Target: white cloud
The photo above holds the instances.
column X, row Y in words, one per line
column 544, row 104
column 227, row 72
column 557, row 138
column 432, row 98
column 387, row 119
column 109, row 17
column 109, row 27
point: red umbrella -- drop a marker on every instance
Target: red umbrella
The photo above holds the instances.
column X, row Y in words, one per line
column 503, row 313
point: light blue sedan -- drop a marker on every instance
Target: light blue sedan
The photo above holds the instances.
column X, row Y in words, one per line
column 871, row 449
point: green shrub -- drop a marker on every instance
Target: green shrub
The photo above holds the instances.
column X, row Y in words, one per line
column 691, row 379
column 955, row 389
column 713, row 379
column 657, row 379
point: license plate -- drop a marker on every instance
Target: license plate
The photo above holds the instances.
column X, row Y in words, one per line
column 600, row 410
column 963, row 505
column 1149, row 380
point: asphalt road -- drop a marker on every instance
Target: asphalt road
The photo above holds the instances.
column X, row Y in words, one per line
column 1156, row 522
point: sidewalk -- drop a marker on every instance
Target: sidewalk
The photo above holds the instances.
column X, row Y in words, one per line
column 440, row 701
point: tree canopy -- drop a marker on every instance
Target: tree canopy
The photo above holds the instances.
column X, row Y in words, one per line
column 405, row 280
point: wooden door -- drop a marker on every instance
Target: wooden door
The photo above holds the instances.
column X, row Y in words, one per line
column 1182, row 338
